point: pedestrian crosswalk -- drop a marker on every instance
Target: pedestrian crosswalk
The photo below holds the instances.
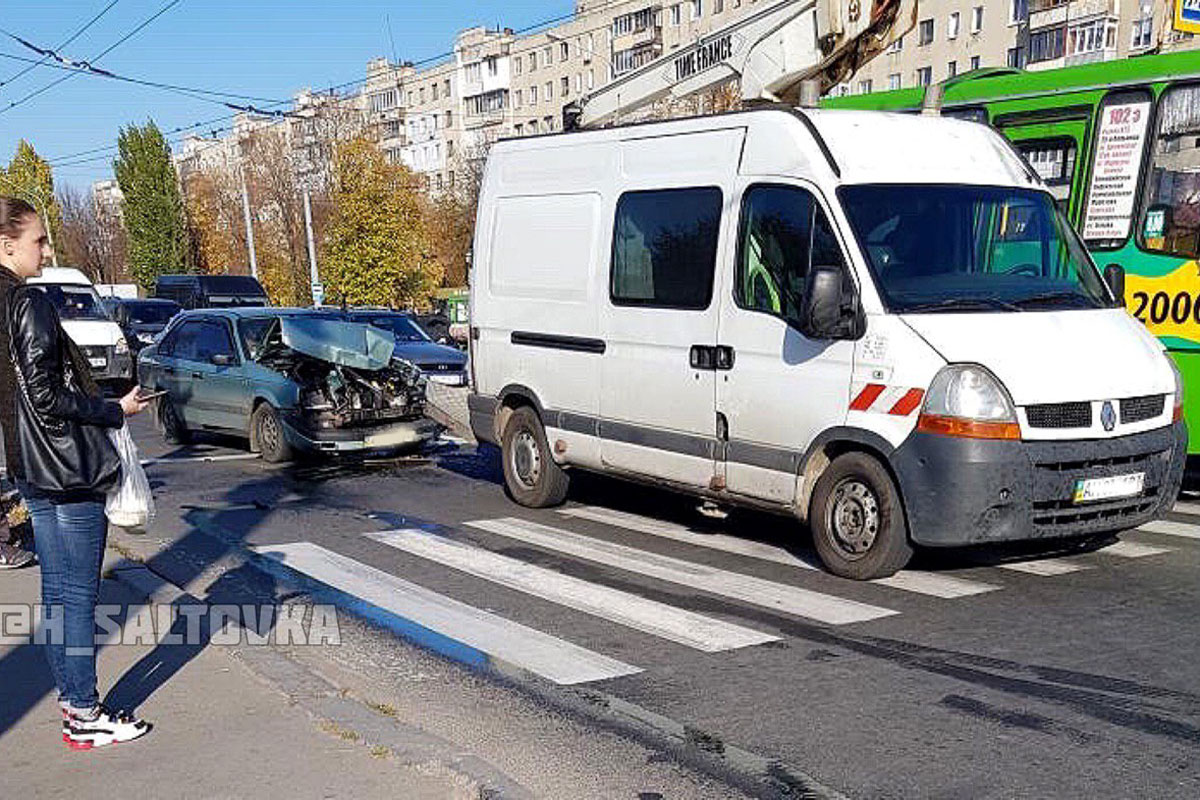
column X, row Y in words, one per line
column 682, row 560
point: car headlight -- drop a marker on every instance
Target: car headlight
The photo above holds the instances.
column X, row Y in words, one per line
column 1179, row 390
column 122, row 347
column 969, row 401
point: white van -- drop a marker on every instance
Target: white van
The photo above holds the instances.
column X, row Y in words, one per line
column 877, row 323
column 88, row 324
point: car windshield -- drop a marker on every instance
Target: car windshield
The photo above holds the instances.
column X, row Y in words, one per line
column 400, row 326
column 971, row 248
column 151, row 313
column 74, row 301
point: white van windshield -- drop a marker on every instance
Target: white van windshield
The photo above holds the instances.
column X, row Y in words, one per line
column 971, row 248
column 74, row 301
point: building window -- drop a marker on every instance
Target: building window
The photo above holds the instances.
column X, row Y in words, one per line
column 952, row 25
column 473, row 73
column 493, row 66
column 549, row 91
column 421, row 93
column 896, row 46
column 951, row 69
column 533, row 99
column 1047, row 45
column 894, row 81
column 665, row 248
column 434, row 92
column 565, row 87
column 924, row 76
column 533, row 62
column 547, row 56
column 1016, row 57
column 1143, row 30
column 697, row 9
column 518, row 66
column 864, row 86
column 975, row 62
column 564, row 51
column 591, row 79
column 976, row 19
column 718, row 6
column 487, row 103
column 925, row 32
column 676, row 14
column 578, row 83
column 533, row 128
column 446, row 87
column 449, row 120
column 519, row 98
column 1018, row 11
column 518, row 129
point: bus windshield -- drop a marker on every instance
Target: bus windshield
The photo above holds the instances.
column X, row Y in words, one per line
column 935, row 248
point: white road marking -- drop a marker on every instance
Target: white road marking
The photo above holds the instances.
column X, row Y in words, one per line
column 748, row 589
column 199, row 459
column 929, row 583
column 1045, row 567
column 658, row 619
column 1182, row 507
column 540, row 653
column 1169, row 528
column 1133, row 550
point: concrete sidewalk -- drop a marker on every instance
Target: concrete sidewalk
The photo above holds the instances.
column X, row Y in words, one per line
column 220, row 731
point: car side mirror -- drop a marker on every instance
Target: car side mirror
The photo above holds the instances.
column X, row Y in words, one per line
column 222, row 360
column 1114, row 276
column 828, row 309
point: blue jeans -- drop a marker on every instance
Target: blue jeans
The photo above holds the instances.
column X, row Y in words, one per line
column 70, row 539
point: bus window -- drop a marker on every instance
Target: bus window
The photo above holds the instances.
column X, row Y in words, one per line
column 1170, row 220
column 1054, row 161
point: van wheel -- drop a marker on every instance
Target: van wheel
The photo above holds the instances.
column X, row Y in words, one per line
column 533, row 478
column 269, row 435
column 857, row 519
column 173, row 428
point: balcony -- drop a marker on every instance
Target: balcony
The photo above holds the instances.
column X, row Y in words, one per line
column 1048, row 13
column 651, row 34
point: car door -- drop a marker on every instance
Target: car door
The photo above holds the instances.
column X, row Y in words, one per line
column 660, row 326
column 218, row 381
column 176, row 359
column 778, row 389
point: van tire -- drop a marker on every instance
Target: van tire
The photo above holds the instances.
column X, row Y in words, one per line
column 269, row 435
column 857, row 519
column 532, row 476
column 173, row 429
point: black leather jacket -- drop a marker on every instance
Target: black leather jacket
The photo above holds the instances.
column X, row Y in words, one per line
column 57, row 376
column 8, row 381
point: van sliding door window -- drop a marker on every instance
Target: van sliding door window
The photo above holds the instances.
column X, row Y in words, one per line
column 783, row 233
column 665, row 248
column 1170, row 220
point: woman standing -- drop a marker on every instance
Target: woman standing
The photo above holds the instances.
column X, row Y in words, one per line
column 63, row 464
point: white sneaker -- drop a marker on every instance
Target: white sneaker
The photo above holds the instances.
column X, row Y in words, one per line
column 101, row 728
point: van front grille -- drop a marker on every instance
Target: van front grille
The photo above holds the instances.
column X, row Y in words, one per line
column 1140, row 409
column 1060, row 415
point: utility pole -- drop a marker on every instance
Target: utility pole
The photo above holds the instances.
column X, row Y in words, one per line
column 249, row 223
column 318, row 291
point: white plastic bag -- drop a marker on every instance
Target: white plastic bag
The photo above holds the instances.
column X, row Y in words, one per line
column 130, row 503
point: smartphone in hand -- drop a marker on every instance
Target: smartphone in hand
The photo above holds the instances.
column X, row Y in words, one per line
column 146, row 395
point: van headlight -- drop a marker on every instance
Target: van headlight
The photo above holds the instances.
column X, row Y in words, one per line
column 969, row 401
column 121, row 347
column 1178, row 388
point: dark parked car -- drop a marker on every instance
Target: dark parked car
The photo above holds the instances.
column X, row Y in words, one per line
column 211, row 291
column 141, row 320
column 440, row 363
column 289, row 379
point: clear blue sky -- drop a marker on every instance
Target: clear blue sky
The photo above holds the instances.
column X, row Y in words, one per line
column 263, row 48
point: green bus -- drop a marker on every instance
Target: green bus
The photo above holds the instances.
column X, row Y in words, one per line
column 1118, row 144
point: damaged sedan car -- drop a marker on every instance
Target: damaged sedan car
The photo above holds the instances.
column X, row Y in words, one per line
column 287, row 379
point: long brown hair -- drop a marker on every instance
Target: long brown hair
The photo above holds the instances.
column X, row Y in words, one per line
column 14, row 215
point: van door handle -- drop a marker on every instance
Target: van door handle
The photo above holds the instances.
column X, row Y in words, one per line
column 703, row 357
column 724, row 357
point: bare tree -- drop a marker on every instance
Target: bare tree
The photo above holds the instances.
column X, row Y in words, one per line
column 93, row 241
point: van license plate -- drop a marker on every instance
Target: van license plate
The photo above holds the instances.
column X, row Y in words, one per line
column 1089, row 491
column 98, row 363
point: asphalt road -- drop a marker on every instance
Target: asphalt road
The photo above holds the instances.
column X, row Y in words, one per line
column 983, row 674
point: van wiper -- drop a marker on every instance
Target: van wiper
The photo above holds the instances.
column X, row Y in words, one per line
column 961, row 304
column 1055, row 298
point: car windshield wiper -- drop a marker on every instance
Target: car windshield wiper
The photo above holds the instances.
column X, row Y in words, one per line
column 1055, row 298
column 961, row 304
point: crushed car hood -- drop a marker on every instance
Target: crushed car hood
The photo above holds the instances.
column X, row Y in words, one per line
column 348, row 344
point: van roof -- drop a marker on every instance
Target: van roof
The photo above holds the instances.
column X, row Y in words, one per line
column 67, row 275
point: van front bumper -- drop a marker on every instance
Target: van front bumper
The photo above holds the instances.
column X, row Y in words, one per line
column 971, row 491
column 381, row 438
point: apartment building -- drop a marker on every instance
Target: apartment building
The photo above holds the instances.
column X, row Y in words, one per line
column 1063, row 33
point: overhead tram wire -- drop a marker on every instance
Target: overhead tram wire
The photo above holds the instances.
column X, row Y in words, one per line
column 70, row 158
column 68, row 41
column 106, row 51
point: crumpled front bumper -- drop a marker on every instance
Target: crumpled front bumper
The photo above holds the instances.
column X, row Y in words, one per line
column 381, row 438
column 971, row 491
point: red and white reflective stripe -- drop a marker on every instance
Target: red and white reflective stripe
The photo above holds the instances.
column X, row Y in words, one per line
column 877, row 398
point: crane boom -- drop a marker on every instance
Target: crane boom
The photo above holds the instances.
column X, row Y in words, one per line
column 770, row 52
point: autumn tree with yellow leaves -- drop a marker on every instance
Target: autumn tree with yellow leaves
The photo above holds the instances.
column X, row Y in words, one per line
column 377, row 246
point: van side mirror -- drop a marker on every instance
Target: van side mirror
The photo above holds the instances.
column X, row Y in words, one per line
column 828, row 310
column 1114, row 276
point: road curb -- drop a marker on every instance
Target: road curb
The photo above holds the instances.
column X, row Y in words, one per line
column 327, row 704
column 752, row 773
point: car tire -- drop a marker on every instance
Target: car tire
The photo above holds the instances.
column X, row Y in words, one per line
column 173, row 428
column 269, row 435
column 532, row 476
column 857, row 519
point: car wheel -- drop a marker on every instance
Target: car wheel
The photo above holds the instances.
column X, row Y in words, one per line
column 533, row 478
column 174, row 430
column 857, row 519
column 269, row 435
